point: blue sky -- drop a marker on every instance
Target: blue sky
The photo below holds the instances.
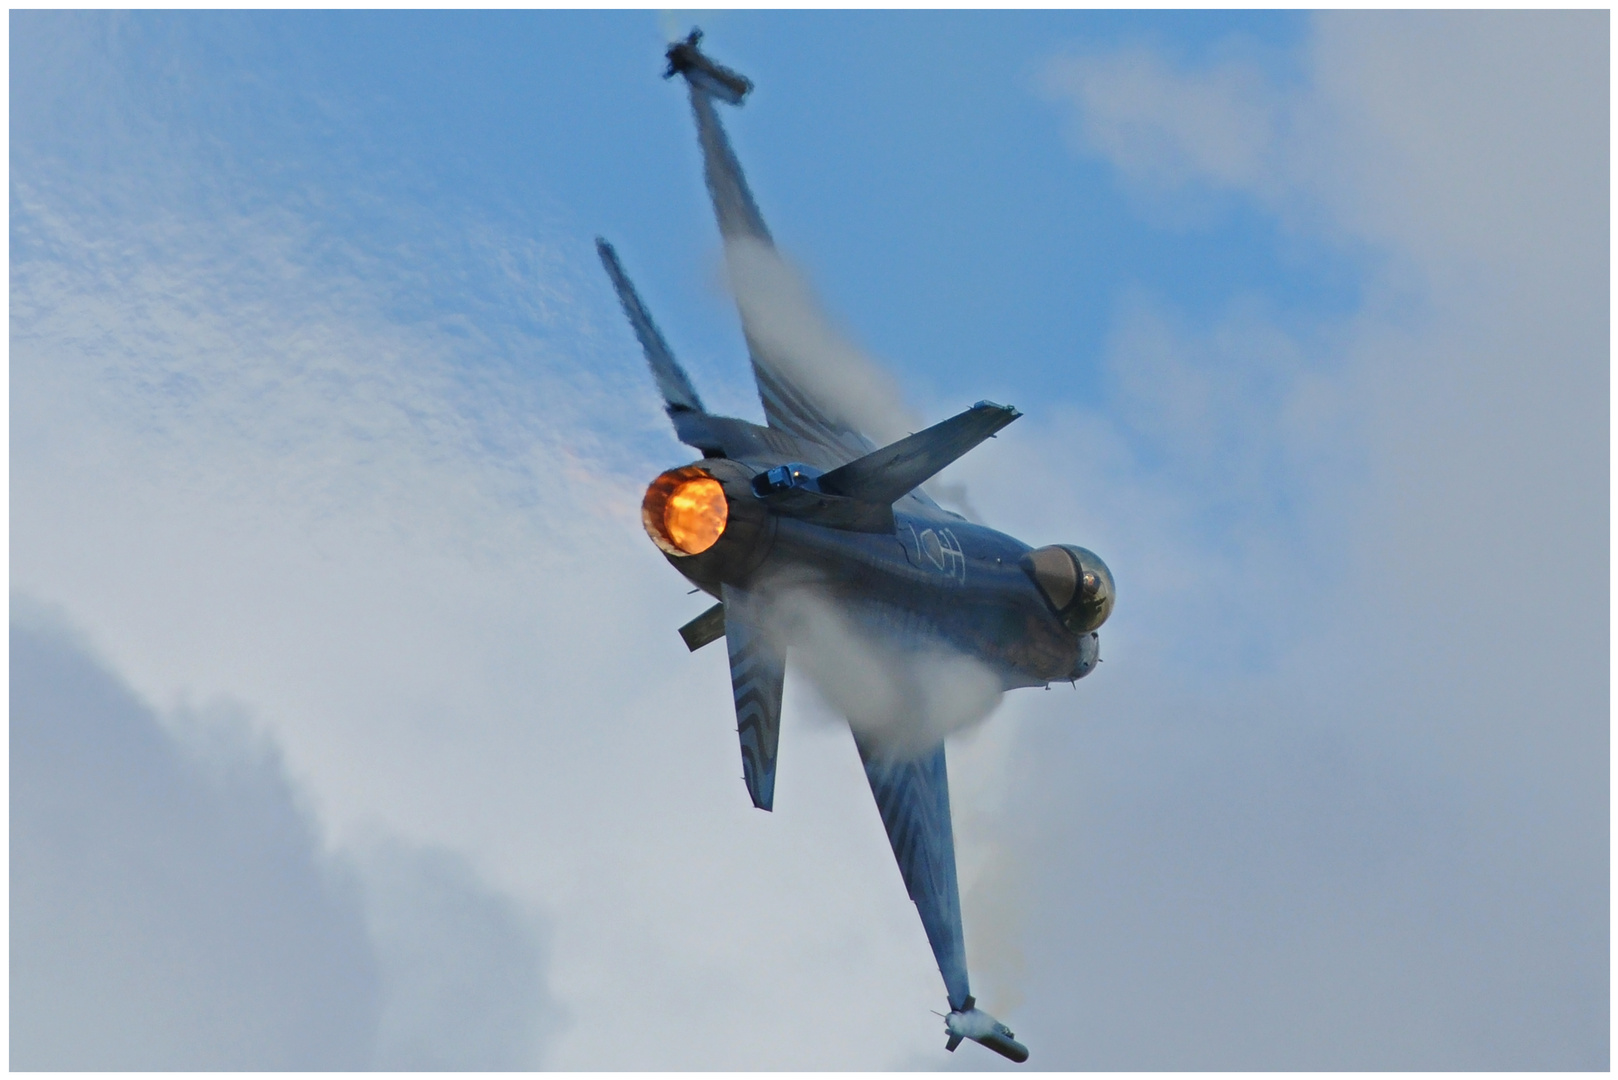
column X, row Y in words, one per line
column 921, row 136
column 328, row 438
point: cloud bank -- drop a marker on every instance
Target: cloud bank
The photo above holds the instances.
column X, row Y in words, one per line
column 1338, row 799
column 372, row 468
column 293, row 431
column 173, row 906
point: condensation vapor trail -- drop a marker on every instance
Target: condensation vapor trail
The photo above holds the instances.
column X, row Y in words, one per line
column 792, row 341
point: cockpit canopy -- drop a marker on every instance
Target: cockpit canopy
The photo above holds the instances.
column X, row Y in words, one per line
column 1075, row 581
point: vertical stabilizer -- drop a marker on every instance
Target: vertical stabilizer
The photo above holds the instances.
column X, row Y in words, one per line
column 672, row 382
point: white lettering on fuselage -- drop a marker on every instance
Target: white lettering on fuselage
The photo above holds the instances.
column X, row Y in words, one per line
column 937, row 549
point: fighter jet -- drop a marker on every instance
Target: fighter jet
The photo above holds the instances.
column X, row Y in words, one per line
column 808, row 506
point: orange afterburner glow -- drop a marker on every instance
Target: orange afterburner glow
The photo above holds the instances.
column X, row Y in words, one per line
column 685, row 511
column 695, row 515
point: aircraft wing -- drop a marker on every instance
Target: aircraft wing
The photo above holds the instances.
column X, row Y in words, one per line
column 913, row 799
column 786, row 406
column 715, row 436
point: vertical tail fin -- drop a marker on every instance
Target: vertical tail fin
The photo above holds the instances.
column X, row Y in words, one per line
column 672, row 382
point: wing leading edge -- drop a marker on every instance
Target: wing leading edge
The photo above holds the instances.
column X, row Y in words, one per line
column 913, row 799
column 786, row 406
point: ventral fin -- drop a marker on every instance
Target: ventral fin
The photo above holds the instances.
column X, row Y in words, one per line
column 705, row 628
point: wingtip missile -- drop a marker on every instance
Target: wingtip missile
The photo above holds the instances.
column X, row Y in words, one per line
column 971, row 1022
column 686, row 58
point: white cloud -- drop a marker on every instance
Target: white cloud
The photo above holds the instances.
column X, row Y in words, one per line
column 463, row 971
column 174, row 907
column 1406, row 511
column 387, row 499
column 439, row 641
column 1167, row 126
column 1464, row 151
column 247, row 461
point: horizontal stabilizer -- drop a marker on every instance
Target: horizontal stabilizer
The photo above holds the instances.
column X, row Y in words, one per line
column 672, row 382
column 705, row 628
column 890, row 473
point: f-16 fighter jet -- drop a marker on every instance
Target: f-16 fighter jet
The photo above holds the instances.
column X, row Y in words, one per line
column 808, row 513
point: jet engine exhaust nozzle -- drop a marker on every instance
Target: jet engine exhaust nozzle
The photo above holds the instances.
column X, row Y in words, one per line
column 707, row 521
column 685, row 511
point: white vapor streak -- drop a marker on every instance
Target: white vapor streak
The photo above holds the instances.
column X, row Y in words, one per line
column 901, row 699
column 783, row 317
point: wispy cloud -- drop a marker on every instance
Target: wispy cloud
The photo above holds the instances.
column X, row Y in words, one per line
column 368, row 463
column 380, row 484
column 1334, row 494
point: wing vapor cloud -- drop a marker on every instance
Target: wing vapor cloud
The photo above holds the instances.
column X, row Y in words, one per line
column 781, row 313
column 902, row 694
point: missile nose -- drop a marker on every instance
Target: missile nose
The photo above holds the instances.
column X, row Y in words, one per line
column 975, row 1024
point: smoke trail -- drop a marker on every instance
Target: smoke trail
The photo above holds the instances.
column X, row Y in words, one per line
column 791, row 333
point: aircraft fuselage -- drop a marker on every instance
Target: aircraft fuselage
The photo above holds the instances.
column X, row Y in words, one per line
column 811, row 537
column 935, row 578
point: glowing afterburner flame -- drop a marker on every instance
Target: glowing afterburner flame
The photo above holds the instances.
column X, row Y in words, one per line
column 695, row 514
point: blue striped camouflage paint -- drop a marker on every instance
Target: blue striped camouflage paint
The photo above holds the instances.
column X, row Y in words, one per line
column 913, row 799
column 757, row 672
